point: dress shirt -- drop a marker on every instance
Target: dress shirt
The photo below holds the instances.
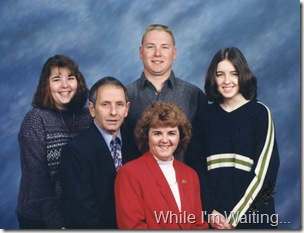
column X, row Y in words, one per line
column 108, row 137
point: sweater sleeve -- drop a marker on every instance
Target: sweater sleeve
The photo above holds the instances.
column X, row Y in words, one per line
column 265, row 170
column 32, row 142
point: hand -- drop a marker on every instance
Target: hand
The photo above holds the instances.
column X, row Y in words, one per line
column 218, row 221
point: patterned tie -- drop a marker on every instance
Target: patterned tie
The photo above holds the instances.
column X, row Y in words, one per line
column 116, row 153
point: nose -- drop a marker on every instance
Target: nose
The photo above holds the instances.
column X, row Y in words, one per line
column 157, row 52
column 164, row 138
column 113, row 110
column 64, row 82
column 227, row 79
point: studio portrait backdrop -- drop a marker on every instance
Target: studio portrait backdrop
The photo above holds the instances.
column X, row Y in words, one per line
column 103, row 37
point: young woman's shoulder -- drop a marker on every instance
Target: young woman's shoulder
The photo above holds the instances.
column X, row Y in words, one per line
column 33, row 122
column 259, row 107
column 36, row 114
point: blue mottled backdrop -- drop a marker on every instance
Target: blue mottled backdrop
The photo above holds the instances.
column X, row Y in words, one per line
column 104, row 37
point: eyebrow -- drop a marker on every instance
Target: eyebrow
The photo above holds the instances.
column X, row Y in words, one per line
column 220, row 71
column 151, row 43
column 56, row 76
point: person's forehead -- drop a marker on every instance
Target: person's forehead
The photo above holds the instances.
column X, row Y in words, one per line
column 158, row 35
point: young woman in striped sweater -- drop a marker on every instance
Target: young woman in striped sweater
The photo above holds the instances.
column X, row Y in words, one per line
column 235, row 141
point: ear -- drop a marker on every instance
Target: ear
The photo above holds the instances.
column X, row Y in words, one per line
column 92, row 109
column 140, row 51
column 174, row 53
column 128, row 107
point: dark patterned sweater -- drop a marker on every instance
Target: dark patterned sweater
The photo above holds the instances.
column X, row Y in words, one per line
column 42, row 135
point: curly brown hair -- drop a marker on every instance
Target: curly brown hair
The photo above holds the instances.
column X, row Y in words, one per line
column 43, row 97
column 162, row 114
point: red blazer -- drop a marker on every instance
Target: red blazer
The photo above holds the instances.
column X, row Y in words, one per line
column 144, row 199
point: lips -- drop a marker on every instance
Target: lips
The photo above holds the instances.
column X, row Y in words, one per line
column 228, row 89
column 157, row 62
column 165, row 147
column 64, row 93
column 112, row 121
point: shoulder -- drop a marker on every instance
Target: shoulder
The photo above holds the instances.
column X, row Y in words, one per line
column 35, row 117
column 186, row 85
column 133, row 85
column 37, row 113
column 212, row 108
column 84, row 146
column 133, row 89
column 134, row 164
column 134, row 167
column 35, row 124
column 84, row 112
column 261, row 106
column 85, row 137
column 84, row 116
column 259, row 109
column 183, row 167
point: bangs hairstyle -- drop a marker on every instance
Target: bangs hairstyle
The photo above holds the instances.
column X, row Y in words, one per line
column 162, row 114
column 247, row 82
column 43, row 97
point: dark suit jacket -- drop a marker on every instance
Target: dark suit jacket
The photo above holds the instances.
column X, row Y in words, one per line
column 87, row 175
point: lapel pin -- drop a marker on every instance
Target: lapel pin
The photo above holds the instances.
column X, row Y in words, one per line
column 184, row 181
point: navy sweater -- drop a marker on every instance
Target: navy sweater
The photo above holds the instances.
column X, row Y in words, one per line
column 238, row 160
column 42, row 135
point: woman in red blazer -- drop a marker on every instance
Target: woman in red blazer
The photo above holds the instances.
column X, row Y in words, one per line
column 157, row 191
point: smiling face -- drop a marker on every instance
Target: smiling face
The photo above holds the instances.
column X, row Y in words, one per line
column 157, row 53
column 163, row 141
column 110, row 108
column 63, row 86
column 227, row 80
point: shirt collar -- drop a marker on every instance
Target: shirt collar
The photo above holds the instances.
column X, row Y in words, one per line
column 108, row 137
column 170, row 82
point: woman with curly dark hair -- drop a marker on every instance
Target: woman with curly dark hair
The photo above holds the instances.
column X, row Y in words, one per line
column 152, row 190
column 58, row 114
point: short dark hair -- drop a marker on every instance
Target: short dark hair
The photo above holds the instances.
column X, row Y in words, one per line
column 162, row 114
column 108, row 80
column 247, row 82
column 43, row 97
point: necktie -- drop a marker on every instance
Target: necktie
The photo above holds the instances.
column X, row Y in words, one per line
column 116, row 153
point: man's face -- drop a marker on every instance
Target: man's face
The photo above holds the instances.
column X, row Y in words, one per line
column 157, row 53
column 110, row 108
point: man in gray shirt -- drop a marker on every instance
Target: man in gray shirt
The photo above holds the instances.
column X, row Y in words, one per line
column 158, row 81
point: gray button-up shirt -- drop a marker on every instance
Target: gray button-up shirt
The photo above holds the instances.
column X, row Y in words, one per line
column 142, row 94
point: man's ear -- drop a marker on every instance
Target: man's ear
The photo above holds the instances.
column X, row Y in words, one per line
column 128, row 107
column 92, row 109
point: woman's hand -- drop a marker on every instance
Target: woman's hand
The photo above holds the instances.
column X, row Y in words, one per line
column 218, row 221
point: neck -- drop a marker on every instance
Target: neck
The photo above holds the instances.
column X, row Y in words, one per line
column 158, row 80
column 230, row 105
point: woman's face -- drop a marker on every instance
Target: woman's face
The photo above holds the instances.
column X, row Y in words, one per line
column 163, row 141
column 63, row 86
column 227, row 80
